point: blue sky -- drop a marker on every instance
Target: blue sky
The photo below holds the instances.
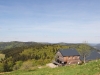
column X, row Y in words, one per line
column 70, row 21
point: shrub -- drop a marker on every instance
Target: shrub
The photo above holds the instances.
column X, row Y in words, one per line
column 27, row 65
column 17, row 65
column 1, row 67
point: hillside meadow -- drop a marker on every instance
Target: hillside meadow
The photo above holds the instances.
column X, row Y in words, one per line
column 90, row 68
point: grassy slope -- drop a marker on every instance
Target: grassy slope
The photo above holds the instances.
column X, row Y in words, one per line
column 91, row 68
column 13, row 44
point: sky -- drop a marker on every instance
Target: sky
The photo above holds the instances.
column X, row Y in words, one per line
column 69, row 21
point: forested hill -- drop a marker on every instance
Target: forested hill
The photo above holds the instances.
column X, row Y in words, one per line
column 37, row 53
column 13, row 44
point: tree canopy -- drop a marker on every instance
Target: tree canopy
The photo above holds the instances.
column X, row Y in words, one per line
column 84, row 51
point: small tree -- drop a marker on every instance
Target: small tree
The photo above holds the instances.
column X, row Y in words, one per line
column 84, row 51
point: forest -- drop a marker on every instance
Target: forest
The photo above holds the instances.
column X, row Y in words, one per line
column 26, row 55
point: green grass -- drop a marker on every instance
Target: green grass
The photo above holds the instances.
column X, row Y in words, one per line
column 91, row 68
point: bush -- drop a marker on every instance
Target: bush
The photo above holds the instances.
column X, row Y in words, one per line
column 27, row 65
column 17, row 65
column 1, row 67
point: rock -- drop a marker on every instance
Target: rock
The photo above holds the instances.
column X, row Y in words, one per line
column 51, row 65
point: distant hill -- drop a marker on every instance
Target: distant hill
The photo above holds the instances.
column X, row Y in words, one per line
column 92, row 44
column 13, row 44
column 97, row 46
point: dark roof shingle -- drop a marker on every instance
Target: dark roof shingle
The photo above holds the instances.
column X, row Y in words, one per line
column 68, row 52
